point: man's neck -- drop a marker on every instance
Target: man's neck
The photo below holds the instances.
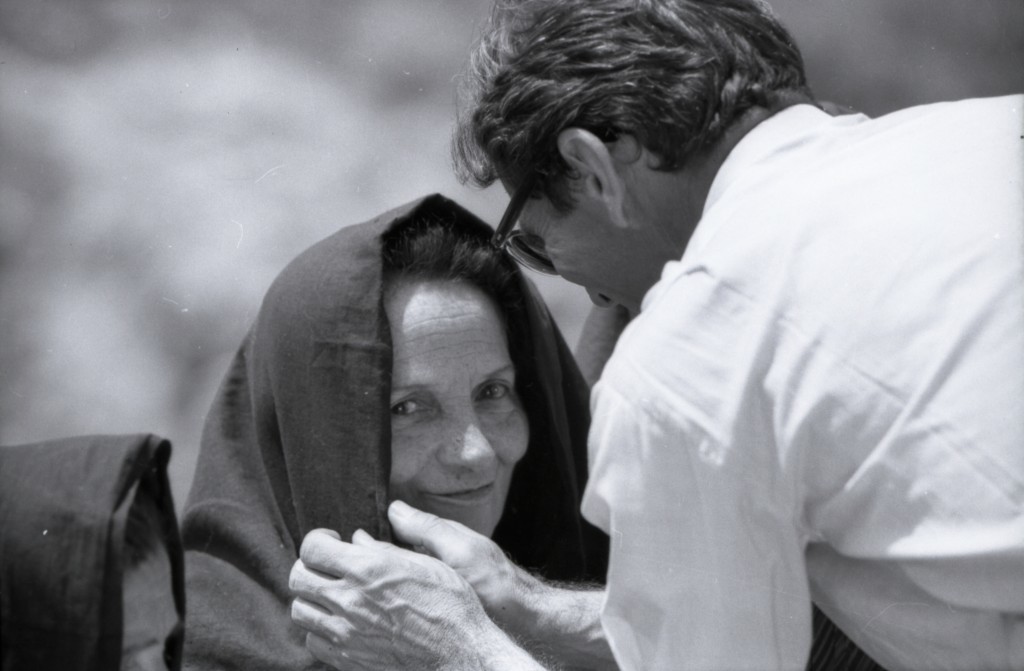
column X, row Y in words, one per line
column 665, row 207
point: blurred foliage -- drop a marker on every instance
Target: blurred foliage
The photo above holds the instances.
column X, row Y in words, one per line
column 160, row 162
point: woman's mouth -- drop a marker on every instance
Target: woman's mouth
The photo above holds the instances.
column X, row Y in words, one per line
column 468, row 496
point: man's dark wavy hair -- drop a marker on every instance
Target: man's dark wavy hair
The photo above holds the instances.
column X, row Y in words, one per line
column 675, row 74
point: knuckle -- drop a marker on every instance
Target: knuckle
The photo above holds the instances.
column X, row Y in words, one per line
column 433, row 527
column 374, row 571
column 327, row 592
column 474, row 548
column 493, row 552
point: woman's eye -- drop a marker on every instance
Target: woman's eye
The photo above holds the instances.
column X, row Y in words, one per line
column 405, row 407
column 494, row 390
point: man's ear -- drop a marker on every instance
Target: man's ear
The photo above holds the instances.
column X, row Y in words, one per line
column 597, row 177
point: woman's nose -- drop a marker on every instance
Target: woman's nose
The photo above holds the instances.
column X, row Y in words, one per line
column 470, row 447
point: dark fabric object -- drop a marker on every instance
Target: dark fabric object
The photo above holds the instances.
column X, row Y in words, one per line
column 63, row 509
column 299, row 438
column 832, row 650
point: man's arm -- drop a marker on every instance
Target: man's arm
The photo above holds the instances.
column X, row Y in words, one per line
column 371, row 605
column 559, row 621
column 556, row 621
column 601, row 331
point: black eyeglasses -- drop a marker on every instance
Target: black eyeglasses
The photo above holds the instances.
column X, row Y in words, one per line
column 514, row 241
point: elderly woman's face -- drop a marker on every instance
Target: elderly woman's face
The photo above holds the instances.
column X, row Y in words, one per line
column 457, row 426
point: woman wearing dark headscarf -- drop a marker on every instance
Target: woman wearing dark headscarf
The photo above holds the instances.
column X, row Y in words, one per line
column 91, row 567
column 305, row 433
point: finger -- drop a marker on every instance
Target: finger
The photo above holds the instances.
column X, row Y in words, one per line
column 319, row 539
column 300, row 578
column 438, row 536
column 310, row 616
column 325, row 651
column 330, row 532
column 313, row 585
column 340, row 630
column 362, row 539
column 326, row 560
column 325, row 552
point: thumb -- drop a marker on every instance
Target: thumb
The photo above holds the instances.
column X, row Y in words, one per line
column 425, row 530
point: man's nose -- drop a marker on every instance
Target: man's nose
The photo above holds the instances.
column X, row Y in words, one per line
column 599, row 299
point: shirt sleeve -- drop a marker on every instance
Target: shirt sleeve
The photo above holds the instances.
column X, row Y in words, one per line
column 707, row 562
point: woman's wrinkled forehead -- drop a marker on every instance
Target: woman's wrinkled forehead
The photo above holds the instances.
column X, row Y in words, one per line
column 443, row 323
column 410, row 300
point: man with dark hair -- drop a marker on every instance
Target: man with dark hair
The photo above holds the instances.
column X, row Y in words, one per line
column 674, row 75
column 822, row 392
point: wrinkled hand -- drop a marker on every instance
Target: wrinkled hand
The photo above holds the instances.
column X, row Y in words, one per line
column 555, row 621
column 501, row 586
column 371, row 605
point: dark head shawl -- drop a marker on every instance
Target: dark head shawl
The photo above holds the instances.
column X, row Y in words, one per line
column 63, row 509
column 299, row 438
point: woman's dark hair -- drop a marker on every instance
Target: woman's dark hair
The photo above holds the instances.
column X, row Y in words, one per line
column 432, row 247
column 675, row 74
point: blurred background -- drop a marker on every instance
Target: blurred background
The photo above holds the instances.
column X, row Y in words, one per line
column 160, row 162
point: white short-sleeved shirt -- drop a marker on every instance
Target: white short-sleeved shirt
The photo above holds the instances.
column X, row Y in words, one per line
column 825, row 396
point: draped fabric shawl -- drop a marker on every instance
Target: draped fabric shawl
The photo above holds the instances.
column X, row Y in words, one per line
column 299, row 438
column 63, row 509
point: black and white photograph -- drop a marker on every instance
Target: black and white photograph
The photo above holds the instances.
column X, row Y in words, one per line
column 511, row 335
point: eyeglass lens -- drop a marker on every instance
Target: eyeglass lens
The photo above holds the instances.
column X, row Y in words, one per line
column 519, row 248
